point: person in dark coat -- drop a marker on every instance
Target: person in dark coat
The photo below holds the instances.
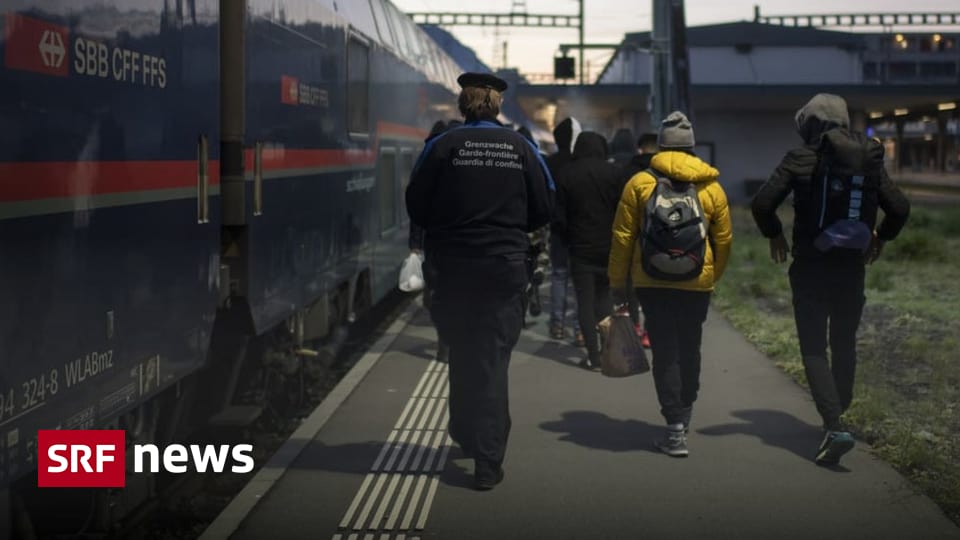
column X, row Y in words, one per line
column 538, row 252
column 565, row 134
column 587, row 194
column 622, row 147
column 417, row 242
column 828, row 288
column 478, row 189
column 639, row 162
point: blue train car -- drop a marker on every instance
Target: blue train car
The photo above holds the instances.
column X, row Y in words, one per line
column 174, row 169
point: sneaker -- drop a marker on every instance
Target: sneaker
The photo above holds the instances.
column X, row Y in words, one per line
column 674, row 444
column 556, row 330
column 835, row 444
column 590, row 365
column 486, row 475
column 645, row 339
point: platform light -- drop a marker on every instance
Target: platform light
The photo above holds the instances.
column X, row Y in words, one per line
column 876, row 114
column 899, row 38
column 928, row 137
column 937, row 38
column 904, row 44
column 901, row 112
column 946, row 106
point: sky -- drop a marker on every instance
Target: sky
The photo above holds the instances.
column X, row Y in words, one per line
column 606, row 21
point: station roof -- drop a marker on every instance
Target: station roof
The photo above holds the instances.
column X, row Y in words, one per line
column 464, row 56
column 758, row 34
column 611, row 100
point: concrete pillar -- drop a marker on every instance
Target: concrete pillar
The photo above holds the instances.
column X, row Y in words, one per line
column 660, row 58
column 941, row 143
column 898, row 162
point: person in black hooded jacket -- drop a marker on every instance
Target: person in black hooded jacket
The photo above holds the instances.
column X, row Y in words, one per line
column 588, row 191
column 828, row 287
column 640, row 161
column 565, row 135
column 622, row 147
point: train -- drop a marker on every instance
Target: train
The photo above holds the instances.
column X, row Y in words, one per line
column 182, row 178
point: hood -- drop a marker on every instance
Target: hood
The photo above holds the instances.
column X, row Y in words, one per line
column 623, row 142
column 590, row 145
column 821, row 114
column 683, row 167
column 565, row 135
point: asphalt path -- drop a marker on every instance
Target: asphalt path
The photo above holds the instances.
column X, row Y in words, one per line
column 580, row 462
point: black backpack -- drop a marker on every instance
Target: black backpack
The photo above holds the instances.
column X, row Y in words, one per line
column 673, row 242
column 845, row 186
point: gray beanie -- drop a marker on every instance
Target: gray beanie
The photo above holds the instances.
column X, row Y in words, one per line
column 676, row 132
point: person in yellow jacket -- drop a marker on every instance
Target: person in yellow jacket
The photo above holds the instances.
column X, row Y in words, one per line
column 672, row 234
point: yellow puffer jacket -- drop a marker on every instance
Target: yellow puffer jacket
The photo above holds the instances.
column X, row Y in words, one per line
column 625, row 252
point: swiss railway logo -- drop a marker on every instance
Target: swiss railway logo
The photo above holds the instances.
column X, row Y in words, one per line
column 289, row 90
column 51, row 49
column 35, row 45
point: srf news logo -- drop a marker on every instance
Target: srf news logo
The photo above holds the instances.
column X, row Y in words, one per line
column 97, row 458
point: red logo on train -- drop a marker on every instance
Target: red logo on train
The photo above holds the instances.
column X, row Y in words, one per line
column 289, row 90
column 34, row 45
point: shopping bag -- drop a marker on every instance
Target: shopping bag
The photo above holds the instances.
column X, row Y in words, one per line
column 622, row 353
column 411, row 274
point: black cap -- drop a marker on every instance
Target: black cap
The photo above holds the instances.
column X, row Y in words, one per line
column 482, row 80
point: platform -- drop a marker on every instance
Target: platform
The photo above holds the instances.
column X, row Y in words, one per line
column 375, row 463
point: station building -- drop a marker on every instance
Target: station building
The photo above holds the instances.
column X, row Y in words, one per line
column 749, row 78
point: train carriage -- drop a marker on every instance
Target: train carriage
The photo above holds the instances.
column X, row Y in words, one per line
column 172, row 171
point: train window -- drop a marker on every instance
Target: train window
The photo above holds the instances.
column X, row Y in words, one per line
column 938, row 69
column 902, row 70
column 413, row 45
column 387, row 188
column 384, row 25
column 395, row 16
column 358, row 87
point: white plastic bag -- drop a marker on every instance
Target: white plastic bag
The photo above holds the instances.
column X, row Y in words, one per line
column 411, row 273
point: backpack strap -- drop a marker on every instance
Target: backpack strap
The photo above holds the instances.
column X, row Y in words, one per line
column 856, row 197
column 657, row 175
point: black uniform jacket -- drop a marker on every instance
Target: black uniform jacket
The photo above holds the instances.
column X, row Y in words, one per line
column 478, row 189
column 794, row 174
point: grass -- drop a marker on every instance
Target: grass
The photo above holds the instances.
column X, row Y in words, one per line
column 907, row 394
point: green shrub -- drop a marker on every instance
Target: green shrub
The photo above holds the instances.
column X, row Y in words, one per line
column 917, row 245
column 880, row 278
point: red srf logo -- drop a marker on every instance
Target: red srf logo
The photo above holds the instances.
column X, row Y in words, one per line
column 34, row 45
column 289, row 90
column 81, row 458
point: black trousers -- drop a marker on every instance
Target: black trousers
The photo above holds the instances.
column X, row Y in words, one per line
column 478, row 310
column 593, row 301
column 674, row 318
column 828, row 301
